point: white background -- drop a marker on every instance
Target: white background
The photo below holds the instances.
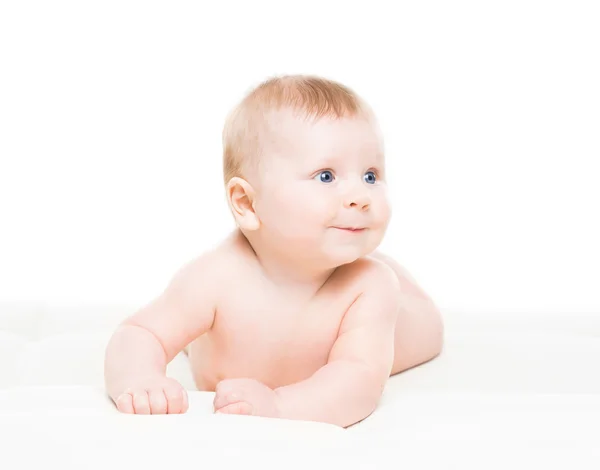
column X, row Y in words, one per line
column 110, row 139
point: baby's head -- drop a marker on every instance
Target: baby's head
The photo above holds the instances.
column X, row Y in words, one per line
column 304, row 165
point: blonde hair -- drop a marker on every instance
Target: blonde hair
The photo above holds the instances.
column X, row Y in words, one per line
column 247, row 125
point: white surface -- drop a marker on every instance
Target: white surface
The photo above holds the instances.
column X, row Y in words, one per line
column 509, row 392
column 111, row 116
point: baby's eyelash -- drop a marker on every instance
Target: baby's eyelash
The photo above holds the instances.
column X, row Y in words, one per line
column 318, row 172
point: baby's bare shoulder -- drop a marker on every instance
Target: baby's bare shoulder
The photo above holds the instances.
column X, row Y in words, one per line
column 368, row 272
column 376, row 294
column 216, row 265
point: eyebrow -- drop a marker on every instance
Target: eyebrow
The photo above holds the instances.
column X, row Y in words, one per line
column 378, row 157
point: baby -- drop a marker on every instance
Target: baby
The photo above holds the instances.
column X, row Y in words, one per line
column 295, row 315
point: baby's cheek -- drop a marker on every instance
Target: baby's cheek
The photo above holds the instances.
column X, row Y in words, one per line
column 305, row 211
column 383, row 210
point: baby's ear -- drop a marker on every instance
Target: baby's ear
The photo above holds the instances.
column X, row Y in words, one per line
column 240, row 196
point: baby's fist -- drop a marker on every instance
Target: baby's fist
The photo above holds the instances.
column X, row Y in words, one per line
column 245, row 397
column 153, row 395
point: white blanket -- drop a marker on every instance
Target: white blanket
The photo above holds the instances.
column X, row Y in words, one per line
column 506, row 393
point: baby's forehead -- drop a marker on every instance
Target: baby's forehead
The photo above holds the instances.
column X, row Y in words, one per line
column 292, row 128
column 296, row 157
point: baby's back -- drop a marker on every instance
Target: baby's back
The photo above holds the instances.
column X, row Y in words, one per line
column 261, row 332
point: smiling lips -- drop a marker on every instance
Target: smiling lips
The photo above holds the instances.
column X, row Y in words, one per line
column 352, row 229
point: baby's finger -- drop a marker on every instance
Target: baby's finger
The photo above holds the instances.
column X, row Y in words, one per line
column 141, row 404
column 224, row 398
column 239, row 408
column 157, row 401
column 125, row 403
column 175, row 399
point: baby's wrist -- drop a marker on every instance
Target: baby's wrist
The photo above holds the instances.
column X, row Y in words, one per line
column 279, row 404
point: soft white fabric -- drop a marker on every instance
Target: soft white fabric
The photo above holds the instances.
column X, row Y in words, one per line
column 507, row 392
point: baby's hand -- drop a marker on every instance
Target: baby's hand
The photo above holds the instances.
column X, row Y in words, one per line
column 153, row 395
column 245, row 397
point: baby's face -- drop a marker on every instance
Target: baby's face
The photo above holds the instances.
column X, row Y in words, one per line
column 322, row 192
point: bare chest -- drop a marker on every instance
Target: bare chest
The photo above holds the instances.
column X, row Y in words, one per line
column 274, row 341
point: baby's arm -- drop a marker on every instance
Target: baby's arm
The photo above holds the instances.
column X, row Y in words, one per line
column 349, row 387
column 137, row 355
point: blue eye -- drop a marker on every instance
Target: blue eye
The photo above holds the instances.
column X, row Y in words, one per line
column 370, row 177
column 325, row 176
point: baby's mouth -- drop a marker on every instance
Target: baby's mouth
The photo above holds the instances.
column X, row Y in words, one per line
column 351, row 229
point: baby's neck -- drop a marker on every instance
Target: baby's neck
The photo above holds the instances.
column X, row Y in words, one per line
column 287, row 273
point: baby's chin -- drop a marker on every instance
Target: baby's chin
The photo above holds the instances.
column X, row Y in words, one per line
column 341, row 255
column 344, row 250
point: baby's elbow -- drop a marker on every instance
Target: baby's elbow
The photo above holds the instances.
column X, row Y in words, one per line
column 364, row 407
column 438, row 332
column 371, row 390
column 435, row 336
column 359, row 412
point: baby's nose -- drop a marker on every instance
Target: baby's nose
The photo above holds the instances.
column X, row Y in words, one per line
column 358, row 199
